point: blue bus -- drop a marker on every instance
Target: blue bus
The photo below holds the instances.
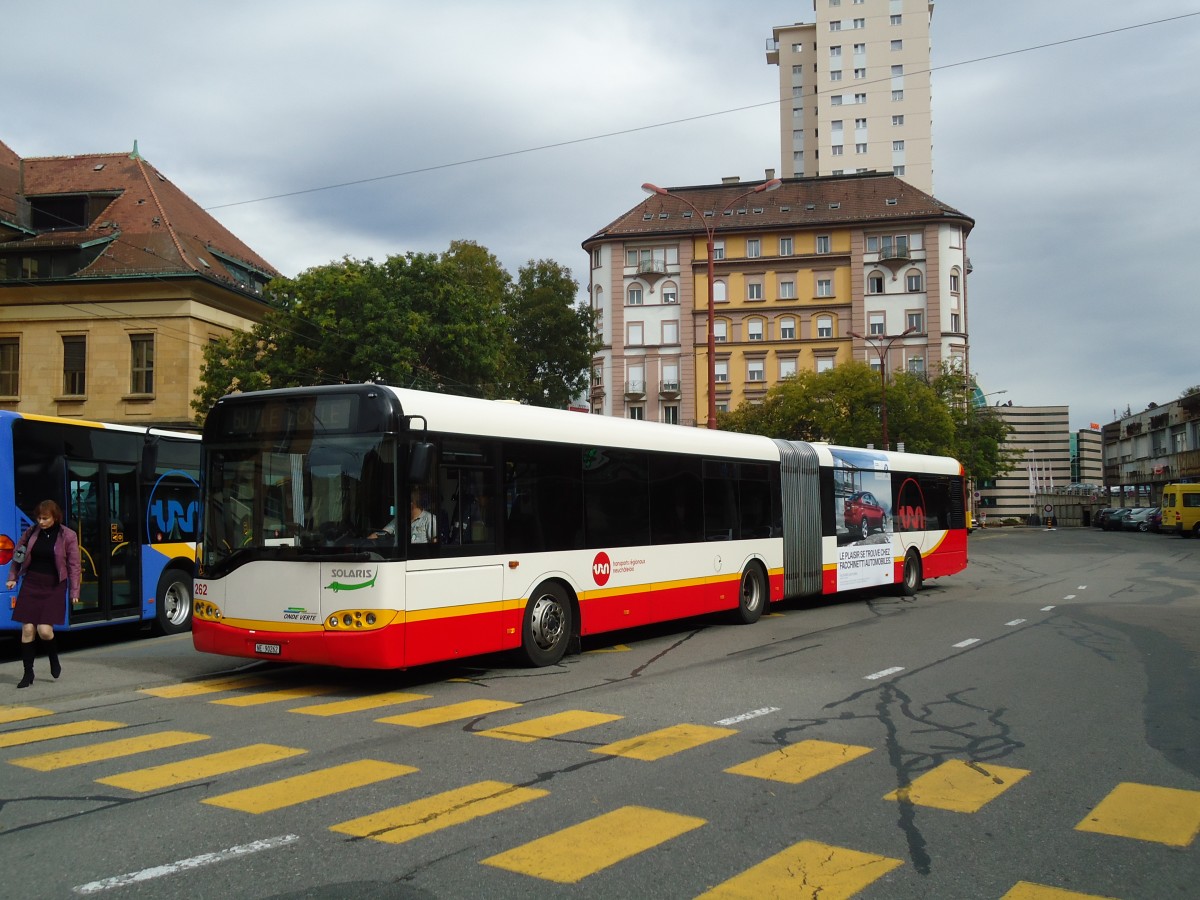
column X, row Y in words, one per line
column 131, row 493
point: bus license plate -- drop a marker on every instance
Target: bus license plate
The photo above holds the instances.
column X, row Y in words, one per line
column 272, row 649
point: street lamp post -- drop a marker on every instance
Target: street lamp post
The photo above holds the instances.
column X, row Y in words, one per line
column 882, row 343
column 710, row 229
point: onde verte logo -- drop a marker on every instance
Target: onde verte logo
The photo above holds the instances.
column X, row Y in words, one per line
column 601, row 568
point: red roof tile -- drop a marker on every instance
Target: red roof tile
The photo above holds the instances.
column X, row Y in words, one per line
column 152, row 226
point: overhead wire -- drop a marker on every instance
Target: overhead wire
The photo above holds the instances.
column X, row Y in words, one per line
column 439, row 379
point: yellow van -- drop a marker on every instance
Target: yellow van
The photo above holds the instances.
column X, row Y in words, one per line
column 1181, row 509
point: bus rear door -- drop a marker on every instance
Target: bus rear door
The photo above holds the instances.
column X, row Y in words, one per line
column 102, row 507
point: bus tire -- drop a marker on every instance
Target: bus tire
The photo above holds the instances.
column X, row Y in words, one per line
column 752, row 595
column 547, row 626
column 910, row 578
column 173, row 610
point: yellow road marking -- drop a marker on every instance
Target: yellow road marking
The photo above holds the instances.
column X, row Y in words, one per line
column 959, row 786
column 21, row 713
column 62, row 759
column 799, row 762
column 806, row 871
column 1147, row 813
column 666, row 741
column 1027, row 890
column 453, row 712
column 200, row 767
column 413, row 820
column 209, row 686
column 572, row 854
column 358, row 704
column 264, row 697
column 309, row 786
column 615, row 648
column 50, row 732
column 550, row 726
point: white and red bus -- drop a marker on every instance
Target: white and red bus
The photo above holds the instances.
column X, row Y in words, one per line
column 524, row 529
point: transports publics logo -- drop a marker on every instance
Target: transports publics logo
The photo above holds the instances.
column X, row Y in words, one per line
column 601, row 569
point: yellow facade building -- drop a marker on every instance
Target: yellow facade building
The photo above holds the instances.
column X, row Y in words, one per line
column 112, row 282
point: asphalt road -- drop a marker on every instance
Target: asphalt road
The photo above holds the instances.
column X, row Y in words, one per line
column 1027, row 729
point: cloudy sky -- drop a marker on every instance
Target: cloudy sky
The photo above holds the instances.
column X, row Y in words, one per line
column 1068, row 129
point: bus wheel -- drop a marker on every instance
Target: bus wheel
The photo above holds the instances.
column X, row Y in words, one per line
column 547, row 628
column 173, row 613
column 911, row 580
column 752, row 596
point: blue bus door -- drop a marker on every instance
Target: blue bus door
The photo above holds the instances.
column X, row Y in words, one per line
column 102, row 503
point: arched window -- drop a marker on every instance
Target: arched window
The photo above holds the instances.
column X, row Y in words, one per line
column 824, row 326
column 754, row 329
column 914, row 283
column 720, row 331
column 670, row 293
column 787, row 328
column 719, row 292
column 634, row 296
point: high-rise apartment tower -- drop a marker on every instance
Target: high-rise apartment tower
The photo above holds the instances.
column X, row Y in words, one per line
column 854, row 89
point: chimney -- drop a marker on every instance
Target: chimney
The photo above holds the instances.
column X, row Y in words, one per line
column 731, row 179
column 770, row 174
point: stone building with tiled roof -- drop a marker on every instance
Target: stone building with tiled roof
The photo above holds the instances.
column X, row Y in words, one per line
column 816, row 272
column 112, row 281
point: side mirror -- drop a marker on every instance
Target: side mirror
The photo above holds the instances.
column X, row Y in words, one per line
column 420, row 462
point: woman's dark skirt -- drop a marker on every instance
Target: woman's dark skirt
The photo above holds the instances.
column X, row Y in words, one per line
column 42, row 600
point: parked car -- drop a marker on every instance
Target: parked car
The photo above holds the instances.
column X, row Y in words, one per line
column 1102, row 514
column 1154, row 523
column 1113, row 521
column 1137, row 519
column 863, row 513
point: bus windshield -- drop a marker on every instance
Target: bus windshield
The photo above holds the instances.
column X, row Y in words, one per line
column 308, row 496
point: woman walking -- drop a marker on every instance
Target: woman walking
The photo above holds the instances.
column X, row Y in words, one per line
column 48, row 558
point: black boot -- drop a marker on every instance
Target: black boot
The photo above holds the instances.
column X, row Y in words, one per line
column 27, row 651
column 52, row 653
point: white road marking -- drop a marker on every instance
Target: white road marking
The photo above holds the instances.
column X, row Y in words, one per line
column 967, row 643
column 1082, row 587
column 884, row 673
column 195, row 862
column 1069, row 597
column 1015, row 622
column 1048, row 608
column 753, row 714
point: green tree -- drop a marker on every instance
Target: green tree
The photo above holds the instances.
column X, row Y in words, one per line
column 980, row 435
column 551, row 339
column 842, row 405
column 435, row 321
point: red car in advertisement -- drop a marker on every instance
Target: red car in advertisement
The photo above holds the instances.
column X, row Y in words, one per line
column 863, row 513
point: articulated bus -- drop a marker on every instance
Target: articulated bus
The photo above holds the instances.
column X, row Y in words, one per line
column 132, row 494
column 518, row 528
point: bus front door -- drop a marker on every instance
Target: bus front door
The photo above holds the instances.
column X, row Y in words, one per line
column 102, row 503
